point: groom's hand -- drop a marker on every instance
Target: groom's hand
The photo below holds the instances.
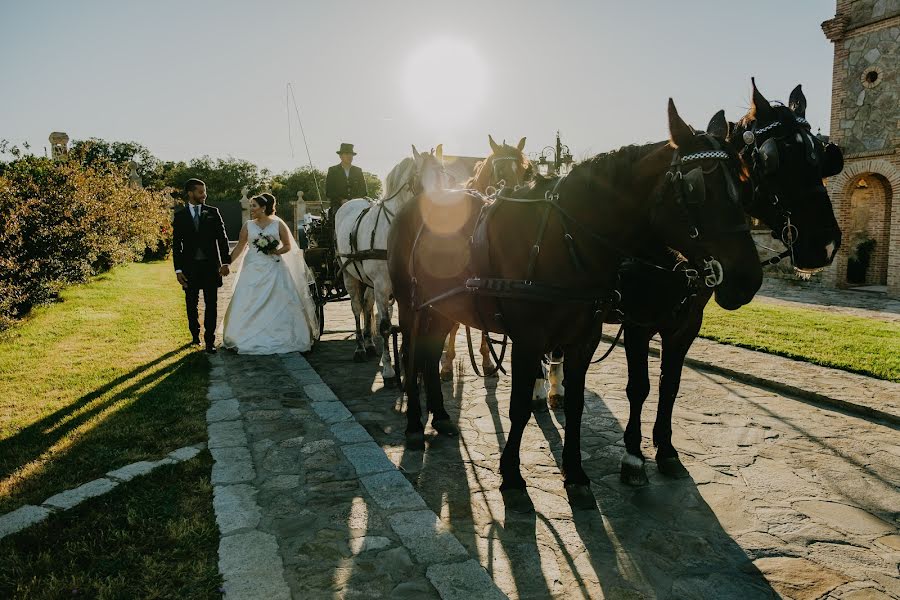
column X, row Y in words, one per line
column 181, row 279
column 224, row 270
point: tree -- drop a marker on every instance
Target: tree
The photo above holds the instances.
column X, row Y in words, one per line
column 286, row 185
column 95, row 153
column 224, row 178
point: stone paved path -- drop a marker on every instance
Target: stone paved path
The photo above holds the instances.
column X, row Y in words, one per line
column 784, row 497
column 846, row 302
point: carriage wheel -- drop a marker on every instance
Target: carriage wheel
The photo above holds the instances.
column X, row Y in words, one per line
column 320, row 298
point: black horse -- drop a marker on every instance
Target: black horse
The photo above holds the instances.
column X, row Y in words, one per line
column 541, row 264
column 786, row 165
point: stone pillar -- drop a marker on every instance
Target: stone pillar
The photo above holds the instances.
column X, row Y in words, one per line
column 245, row 206
column 59, row 145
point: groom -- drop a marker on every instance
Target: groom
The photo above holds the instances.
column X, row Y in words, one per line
column 201, row 257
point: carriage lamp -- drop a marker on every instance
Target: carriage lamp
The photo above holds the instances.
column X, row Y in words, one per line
column 555, row 160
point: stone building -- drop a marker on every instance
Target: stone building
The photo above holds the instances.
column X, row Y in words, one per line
column 865, row 123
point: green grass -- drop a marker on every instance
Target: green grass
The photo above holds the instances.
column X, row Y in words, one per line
column 867, row 346
column 95, row 382
column 154, row 537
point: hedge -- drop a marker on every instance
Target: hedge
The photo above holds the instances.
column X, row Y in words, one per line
column 62, row 222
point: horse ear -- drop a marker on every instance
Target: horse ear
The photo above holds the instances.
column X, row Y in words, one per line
column 439, row 152
column 760, row 108
column 494, row 147
column 718, row 125
column 415, row 152
column 521, row 145
column 797, row 102
column 679, row 131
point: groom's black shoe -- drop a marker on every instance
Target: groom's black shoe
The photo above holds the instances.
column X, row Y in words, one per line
column 195, row 341
column 211, row 350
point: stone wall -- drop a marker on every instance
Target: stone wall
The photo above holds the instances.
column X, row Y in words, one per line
column 865, row 123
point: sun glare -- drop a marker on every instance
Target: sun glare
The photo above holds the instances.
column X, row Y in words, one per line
column 445, row 81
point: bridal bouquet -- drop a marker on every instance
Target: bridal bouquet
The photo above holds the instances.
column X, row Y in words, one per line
column 267, row 244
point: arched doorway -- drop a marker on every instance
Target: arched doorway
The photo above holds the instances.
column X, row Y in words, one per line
column 868, row 231
column 866, row 200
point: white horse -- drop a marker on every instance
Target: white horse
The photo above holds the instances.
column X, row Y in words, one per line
column 361, row 229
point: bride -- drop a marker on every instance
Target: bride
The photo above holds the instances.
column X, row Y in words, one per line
column 271, row 310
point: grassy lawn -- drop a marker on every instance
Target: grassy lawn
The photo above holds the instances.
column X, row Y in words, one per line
column 856, row 344
column 98, row 381
column 154, row 537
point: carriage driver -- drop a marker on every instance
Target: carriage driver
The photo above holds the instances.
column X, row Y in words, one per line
column 344, row 181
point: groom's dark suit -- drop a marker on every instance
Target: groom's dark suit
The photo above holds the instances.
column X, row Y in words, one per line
column 199, row 249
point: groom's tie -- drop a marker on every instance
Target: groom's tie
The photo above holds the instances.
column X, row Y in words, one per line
column 196, row 212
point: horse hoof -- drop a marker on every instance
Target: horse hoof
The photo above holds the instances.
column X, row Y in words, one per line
column 445, row 427
column 517, row 500
column 371, row 352
column 415, row 440
column 359, row 356
column 580, row 496
column 556, row 402
column 671, row 467
column 632, row 471
column 447, row 375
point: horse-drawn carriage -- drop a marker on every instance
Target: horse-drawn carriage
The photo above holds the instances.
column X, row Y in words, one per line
column 321, row 257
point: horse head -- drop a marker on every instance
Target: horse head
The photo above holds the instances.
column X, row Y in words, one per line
column 429, row 174
column 787, row 164
column 506, row 166
column 699, row 212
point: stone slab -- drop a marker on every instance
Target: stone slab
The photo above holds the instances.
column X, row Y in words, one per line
column 129, row 472
column 227, row 434
column 186, row 453
column 233, row 465
column 392, row 491
column 367, row 458
column 844, row 517
column 426, row 537
column 226, row 410
column 350, row 432
column 463, row 581
column 22, row 517
column 251, row 567
column 219, row 390
column 73, row 497
column 367, row 543
column 235, row 507
column 331, row 412
column 319, row 392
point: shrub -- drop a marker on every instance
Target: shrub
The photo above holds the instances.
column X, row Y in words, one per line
column 61, row 222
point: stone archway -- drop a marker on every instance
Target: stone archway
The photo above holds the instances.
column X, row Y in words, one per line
column 865, row 200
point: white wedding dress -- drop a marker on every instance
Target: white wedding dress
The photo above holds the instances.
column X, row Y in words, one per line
column 271, row 310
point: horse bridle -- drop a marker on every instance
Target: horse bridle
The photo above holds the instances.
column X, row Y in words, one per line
column 501, row 183
column 689, row 191
column 765, row 161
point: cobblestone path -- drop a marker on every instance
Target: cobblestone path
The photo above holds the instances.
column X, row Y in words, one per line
column 784, row 497
column 871, row 305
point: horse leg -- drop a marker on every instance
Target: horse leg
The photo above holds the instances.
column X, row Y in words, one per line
column 525, row 361
column 486, row 365
column 409, row 351
column 384, row 304
column 637, row 344
column 674, row 348
column 369, row 329
column 577, row 483
column 449, row 354
column 432, row 345
column 557, row 396
column 355, row 290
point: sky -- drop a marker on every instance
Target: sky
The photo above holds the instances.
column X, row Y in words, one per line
column 189, row 78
